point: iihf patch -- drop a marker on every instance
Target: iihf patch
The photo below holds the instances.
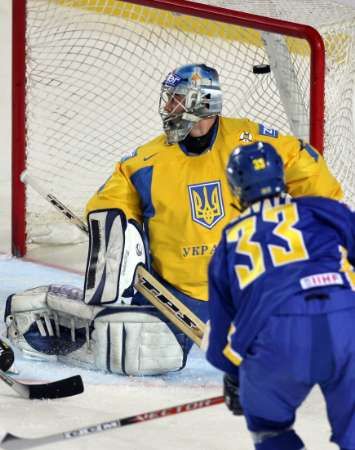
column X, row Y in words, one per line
column 321, row 279
column 128, row 155
column 206, row 203
column 264, row 131
column 172, row 80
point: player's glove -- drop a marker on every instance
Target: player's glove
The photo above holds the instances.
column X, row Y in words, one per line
column 231, row 394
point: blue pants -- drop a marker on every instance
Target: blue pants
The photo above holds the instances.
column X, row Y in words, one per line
column 291, row 355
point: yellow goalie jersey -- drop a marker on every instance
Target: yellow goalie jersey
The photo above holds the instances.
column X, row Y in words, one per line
column 184, row 201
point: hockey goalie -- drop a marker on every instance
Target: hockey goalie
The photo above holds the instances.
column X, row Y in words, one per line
column 175, row 187
column 108, row 326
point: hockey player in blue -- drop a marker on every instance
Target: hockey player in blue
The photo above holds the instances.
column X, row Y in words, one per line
column 282, row 304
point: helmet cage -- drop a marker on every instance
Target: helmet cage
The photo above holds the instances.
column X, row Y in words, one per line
column 193, row 92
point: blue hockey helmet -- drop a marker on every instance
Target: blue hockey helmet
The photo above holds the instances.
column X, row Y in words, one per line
column 188, row 94
column 254, row 172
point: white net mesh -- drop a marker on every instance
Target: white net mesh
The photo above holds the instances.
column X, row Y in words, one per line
column 94, row 69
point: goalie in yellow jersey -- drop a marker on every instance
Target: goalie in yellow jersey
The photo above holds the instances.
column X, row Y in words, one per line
column 170, row 197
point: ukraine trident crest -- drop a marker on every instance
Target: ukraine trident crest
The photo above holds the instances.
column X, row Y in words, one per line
column 206, row 203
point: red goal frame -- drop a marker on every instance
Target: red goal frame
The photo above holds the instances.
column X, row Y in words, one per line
column 317, row 84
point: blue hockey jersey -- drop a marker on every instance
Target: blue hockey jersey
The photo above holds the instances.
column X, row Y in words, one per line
column 278, row 253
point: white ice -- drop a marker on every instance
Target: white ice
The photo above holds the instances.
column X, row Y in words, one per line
column 109, row 396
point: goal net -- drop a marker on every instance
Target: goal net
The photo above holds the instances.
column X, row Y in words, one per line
column 87, row 76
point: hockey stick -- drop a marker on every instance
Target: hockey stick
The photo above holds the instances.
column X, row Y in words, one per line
column 169, row 305
column 62, row 388
column 146, row 283
column 28, row 179
column 57, row 389
column 12, row 442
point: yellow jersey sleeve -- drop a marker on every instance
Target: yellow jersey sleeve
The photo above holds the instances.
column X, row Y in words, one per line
column 306, row 171
column 117, row 192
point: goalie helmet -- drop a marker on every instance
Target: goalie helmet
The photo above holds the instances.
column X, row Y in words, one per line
column 188, row 94
column 254, row 172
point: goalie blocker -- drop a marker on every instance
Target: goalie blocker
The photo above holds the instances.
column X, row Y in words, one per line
column 116, row 248
column 99, row 328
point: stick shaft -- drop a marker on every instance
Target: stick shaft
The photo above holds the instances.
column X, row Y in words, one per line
column 63, row 209
column 12, row 442
column 169, row 305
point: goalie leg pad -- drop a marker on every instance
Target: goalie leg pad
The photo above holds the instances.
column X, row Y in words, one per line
column 53, row 322
column 134, row 341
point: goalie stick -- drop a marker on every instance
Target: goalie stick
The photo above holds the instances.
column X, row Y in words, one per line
column 146, row 283
column 57, row 389
column 12, row 442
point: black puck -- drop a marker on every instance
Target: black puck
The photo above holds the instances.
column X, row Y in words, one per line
column 261, row 68
column 6, row 356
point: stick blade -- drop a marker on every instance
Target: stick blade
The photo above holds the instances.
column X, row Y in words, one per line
column 11, row 442
column 57, row 389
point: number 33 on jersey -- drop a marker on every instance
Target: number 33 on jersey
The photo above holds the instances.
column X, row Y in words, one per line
column 284, row 246
column 278, row 254
column 274, row 233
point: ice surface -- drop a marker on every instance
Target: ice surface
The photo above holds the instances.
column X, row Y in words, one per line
column 108, row 396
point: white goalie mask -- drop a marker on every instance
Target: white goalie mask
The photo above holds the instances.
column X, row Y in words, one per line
column 188, row 94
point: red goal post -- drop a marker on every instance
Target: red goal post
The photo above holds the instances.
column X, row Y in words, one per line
column 213, row 23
